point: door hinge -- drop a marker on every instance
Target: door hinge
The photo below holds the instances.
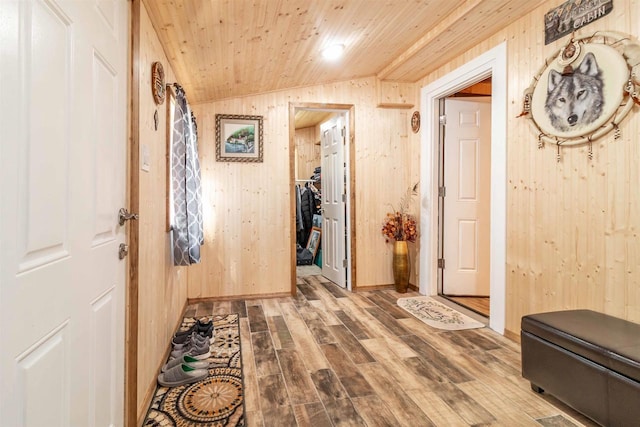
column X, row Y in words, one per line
column 441, row 263
column 344, row 198
column 343, row 132
column 442, row 191
column 344, row 263
column 443, row 120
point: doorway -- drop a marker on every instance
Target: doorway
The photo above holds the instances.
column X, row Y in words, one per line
column 464, row 197
column 492, row 63
column 321, row 146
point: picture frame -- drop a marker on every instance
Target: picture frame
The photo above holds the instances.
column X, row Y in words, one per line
column 239, row 138
column 314, row 240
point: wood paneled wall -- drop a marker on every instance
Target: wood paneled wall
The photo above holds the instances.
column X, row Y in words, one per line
column 307, row 151
column 247, row 210
column 162, row 289
column 572, row 228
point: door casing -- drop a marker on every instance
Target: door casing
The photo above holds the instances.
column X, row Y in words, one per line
column 349, row 109
column 492, row 63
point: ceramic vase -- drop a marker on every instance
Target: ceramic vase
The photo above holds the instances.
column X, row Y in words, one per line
column 401, row 267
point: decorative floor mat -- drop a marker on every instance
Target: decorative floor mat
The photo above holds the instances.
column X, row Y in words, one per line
column 217, row 400
column 436, row 314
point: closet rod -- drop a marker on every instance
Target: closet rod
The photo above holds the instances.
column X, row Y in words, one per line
column 305, row 180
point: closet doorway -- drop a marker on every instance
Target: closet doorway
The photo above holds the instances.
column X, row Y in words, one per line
column 323, row 192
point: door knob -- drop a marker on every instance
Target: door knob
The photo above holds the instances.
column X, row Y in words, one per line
column 124, row 215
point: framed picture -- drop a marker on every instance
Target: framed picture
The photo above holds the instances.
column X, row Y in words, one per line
column 314, row 240
column 238, row 138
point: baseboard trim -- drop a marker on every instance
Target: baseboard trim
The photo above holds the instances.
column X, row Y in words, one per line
column 237, row 297
column 513, row 336
column 367, row 288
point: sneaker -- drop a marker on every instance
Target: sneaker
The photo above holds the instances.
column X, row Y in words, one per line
column 180, row 340
column 186, row 360
column 193, row 328
column 202, row 328
column 198, row 351
column 193, row 342
column 181, row 374
column 205, row 328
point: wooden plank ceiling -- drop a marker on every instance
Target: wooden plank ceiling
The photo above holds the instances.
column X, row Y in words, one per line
column 228, row 48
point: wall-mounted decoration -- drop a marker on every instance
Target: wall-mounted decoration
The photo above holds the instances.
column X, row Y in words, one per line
column 238, row 138
column 314, row 240
column 156, row 120
column 415, row 121
column 157, row 83
column 584, row 90
column 573, row 15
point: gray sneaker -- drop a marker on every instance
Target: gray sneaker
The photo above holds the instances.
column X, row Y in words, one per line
column 190, row 340
column 186, row 360
column 181, row 374
column 193, row 349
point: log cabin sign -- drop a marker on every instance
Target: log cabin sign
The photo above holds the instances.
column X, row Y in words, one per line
column 573, row 15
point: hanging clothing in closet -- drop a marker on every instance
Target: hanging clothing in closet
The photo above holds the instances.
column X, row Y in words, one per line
column 305, row 210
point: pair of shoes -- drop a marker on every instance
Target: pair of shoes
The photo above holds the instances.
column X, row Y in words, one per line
column 180, row 340
column 201, row 328
column 194, row 348
column 181, row 374
column 185, row 360
column 205, row 328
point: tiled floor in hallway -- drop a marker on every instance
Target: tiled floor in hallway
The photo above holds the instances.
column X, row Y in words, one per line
column 328, row 357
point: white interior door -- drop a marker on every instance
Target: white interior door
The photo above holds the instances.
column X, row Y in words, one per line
column 63, row 82
column 333, row 200
column 467, row 166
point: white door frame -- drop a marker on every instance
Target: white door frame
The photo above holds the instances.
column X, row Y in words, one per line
column 492, row 63
column 347, row 110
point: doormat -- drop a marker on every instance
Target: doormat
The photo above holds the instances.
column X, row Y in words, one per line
column 438, row 315
column 217, row 400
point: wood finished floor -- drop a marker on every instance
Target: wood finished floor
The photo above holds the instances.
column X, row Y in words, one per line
column 480, row 305
column 328, row 357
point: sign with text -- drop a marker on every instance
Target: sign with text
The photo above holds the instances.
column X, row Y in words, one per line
column 573, row 15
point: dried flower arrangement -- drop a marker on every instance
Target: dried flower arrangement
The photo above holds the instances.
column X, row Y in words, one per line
column 399, row 225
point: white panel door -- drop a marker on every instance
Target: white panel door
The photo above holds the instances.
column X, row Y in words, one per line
column 333, row 200
column 63, row 82
column 467, row 166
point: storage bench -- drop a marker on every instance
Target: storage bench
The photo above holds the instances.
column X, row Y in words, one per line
column 588, row 360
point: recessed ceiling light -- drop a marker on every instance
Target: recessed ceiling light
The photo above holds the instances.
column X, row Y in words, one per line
column 333, row 52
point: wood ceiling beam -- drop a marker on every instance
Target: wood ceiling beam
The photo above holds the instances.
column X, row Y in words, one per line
column 441, row 28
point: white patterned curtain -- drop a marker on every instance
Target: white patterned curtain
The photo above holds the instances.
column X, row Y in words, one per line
column 187, row 233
